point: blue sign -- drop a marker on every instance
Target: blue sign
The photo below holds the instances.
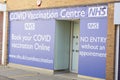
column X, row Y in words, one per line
column 92, row 56
column 32, row 43
column 32, row 35
column 61, row 13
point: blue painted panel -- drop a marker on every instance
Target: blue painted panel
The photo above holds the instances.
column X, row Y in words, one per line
column 92, row 58
column 31, row 43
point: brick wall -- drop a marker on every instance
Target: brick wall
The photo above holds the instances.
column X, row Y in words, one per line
column 110, row 44
column 31, row 4
column 1, row 1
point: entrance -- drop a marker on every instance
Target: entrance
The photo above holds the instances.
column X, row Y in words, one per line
column 75, row 46
column 67, row 45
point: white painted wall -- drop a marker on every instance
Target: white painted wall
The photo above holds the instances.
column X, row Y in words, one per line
column 3, row 9
column 117, row 13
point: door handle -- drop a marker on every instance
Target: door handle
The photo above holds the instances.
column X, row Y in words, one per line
column 73, row 36
column 76, row 36
column 73, row 50
column 77, row 50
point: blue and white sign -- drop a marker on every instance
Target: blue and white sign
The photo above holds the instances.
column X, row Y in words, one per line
column 32, row 35
column 92, row 59
column 32, row 43
column 60, row 13
column 98, row 11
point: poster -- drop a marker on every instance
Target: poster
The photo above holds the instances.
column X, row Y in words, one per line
column 32, row 43
column 92, row 55
column 32, row 37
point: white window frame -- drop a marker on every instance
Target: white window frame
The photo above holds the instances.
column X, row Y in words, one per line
column 117, row 52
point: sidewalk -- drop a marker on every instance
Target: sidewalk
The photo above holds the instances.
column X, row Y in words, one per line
column 7, row 73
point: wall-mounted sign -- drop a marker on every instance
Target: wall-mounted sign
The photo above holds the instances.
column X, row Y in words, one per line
column 32, row 35
column 93, row 36
column 60, row 13
column 32, row 43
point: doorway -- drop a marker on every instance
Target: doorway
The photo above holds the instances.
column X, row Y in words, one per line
column 75, row 30
column 67, row 45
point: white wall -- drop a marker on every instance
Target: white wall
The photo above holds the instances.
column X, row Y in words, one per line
column 117, row 13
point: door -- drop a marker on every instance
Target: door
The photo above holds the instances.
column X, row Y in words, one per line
column 75, row 46
column 62, row 45
column 66, row 45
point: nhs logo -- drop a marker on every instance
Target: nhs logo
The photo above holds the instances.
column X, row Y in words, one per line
column 99, row 11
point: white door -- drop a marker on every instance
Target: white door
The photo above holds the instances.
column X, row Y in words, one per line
column 62, row 45
column 75, row 47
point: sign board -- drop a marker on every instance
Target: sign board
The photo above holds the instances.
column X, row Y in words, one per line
column 92, row 59
column 60, row 13
column 32, row 35
column 31, row 43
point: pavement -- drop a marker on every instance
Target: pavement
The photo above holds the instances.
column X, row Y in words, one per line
column 8, row 73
